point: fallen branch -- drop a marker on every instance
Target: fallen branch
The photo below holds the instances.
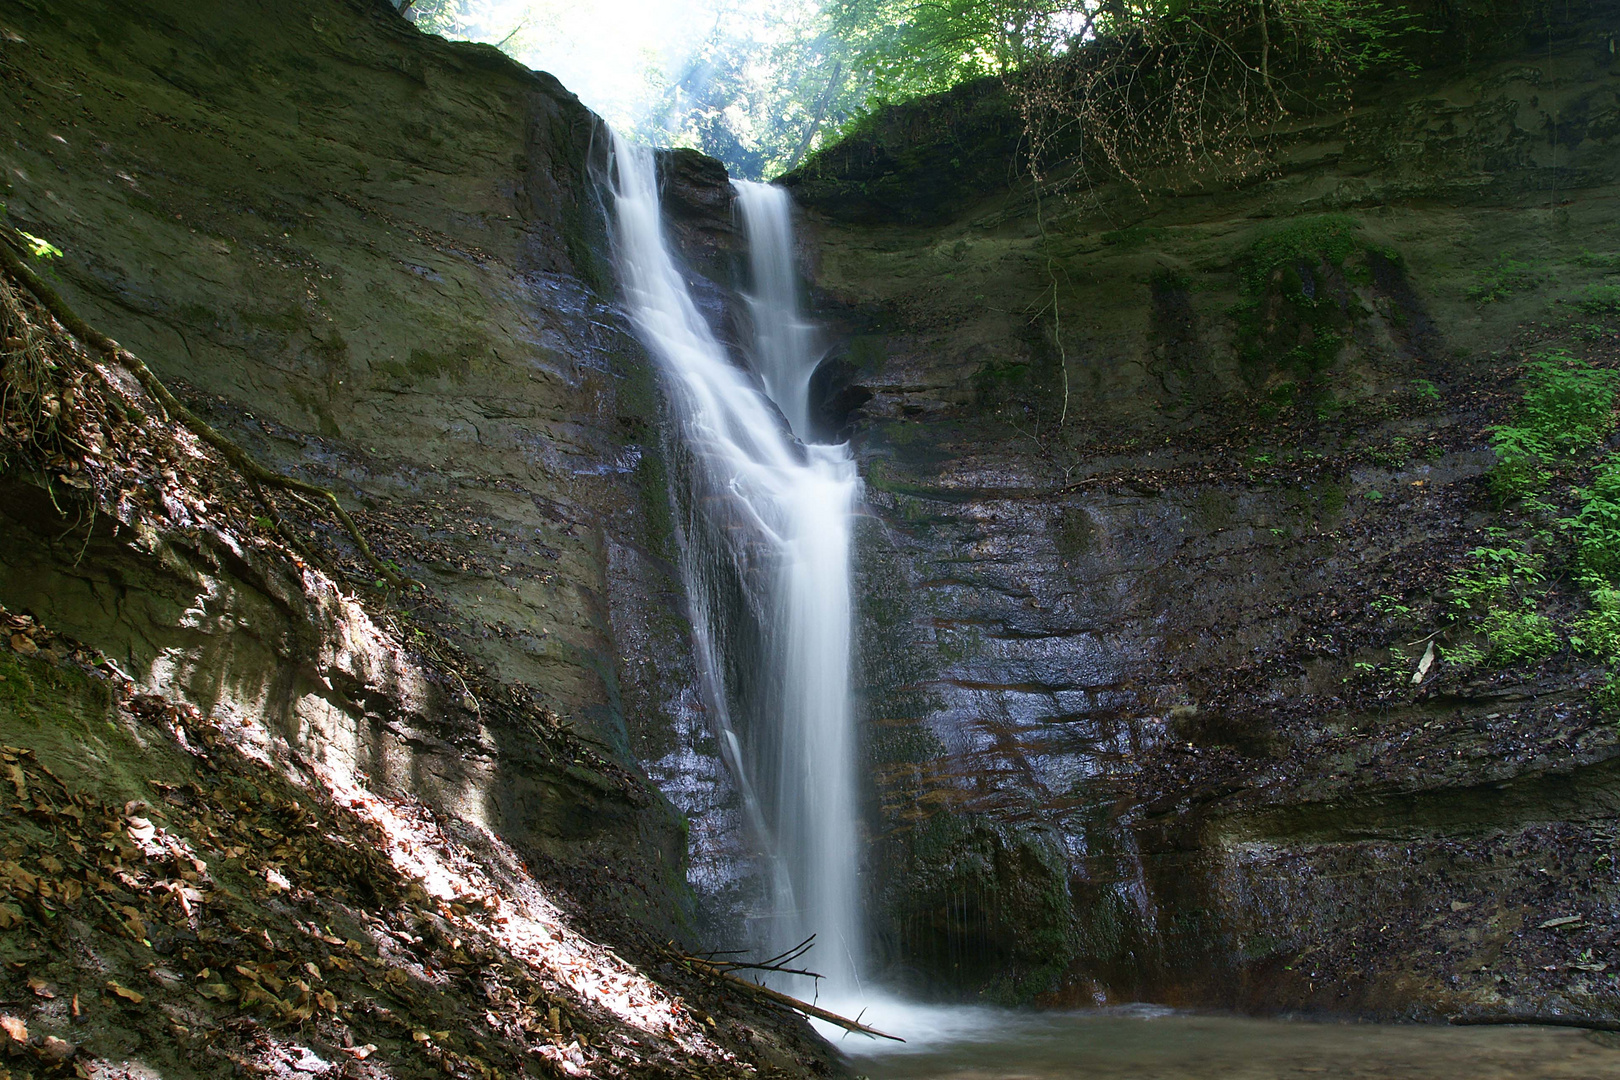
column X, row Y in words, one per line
column 238, row 458
column 1535, row 1021
column 777, row 963
column 742, row 985
column 722, row 967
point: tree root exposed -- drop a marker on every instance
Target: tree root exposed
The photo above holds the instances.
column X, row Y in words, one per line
column 251, row 470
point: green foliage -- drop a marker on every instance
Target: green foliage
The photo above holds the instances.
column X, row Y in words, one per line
column 1568, row 407
column 40, row 248
column 1501, row 281
column 1392, row 608
column 1330, row 238
column 1463, row 654
column 1606, row 698
column 769, row 84
column 1291, row 315
column 1492, row 574
column 1596, row 526
column 1600, row 300
column 1505, row 584
column 1568, row 402
column 1604, row 260
column 1521, row 463
column 1597, row 633
column 1393, row 454
column 1518, row 635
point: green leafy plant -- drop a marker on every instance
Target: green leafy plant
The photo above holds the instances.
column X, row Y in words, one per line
column 1606, row 698
column 1518, row 635
column 1507, row 583
column 1597, row 633
column 1600, row 300
column 1501, row 281
column 1492, row 573
column 1595, row 528
column 1393, row 454
column 1568, row 407
column 40, row 247
column 1392, row 607
column 1521, row 463
column 1463, row 654
column 1568, row 402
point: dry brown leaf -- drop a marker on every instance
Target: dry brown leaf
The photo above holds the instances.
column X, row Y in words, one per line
column 10, row 917
column 14, row 773
column 125, row 992
column 40, row 987
column 56, row 1050
column 24, row 644
column 216, row 992
column 14, row 1028
column 327, row 1000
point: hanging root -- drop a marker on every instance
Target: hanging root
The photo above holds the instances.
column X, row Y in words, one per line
column 254, row 473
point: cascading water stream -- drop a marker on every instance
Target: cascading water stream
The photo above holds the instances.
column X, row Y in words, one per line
column 765, row 551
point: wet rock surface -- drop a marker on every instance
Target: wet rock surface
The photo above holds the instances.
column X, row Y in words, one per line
column 1158, row 526
column 1164, row 498
column 376, row 259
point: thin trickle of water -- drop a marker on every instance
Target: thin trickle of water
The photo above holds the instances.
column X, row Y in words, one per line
column 765, row 551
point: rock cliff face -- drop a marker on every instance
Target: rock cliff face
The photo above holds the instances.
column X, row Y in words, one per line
column 1165, row 491
column 377, row 260
column 1164, row 498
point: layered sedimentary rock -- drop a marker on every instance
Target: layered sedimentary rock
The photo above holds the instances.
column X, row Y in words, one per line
column 1166, row 485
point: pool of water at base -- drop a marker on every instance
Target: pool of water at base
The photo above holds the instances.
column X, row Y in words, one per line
column 1150, row 1043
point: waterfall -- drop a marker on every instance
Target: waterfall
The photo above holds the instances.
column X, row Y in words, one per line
column 765, row 552
column 784, row 342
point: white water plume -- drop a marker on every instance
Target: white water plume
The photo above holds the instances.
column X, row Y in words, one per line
column 784, row 341
column 765, row 551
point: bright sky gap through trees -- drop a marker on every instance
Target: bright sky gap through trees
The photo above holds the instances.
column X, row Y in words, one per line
column 761, row 85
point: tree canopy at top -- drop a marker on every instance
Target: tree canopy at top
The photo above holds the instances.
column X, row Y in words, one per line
column 762, row 89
